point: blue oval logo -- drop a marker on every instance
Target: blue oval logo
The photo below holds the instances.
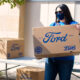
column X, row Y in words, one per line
column 38, row 50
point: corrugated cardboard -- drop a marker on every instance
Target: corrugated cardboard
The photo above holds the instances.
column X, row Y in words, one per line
column 30, row 73
column 11, row 48
column 56, row 41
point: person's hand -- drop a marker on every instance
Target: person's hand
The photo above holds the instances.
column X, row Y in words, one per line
column 77, row 26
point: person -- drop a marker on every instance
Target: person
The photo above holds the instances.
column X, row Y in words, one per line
column 60, row 65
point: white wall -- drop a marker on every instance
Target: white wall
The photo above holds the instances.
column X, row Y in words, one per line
column 11, row 21
column 77, row 18
column 39, row 14
column 77, row 11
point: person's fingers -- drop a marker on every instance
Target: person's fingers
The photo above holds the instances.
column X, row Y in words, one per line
column 78, row 26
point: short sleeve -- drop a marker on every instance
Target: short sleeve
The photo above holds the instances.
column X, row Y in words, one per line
column 74, row 22
column 52, row 24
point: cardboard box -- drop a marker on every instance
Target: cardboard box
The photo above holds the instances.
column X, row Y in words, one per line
column 30, row 73
column 11, row 48
column 56, row 41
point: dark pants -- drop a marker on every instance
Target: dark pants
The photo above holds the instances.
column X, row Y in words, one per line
column 62, row 67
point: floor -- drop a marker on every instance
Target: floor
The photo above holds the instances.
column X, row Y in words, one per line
column 12, row 72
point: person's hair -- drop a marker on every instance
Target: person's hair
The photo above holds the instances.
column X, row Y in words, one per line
column 67, row 14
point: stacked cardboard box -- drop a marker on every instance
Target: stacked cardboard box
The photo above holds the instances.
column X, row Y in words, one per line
column 11, row 48
column 56, row 41
column 30, row 73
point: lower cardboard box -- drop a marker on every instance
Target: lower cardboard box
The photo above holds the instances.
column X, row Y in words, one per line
column 30, row 73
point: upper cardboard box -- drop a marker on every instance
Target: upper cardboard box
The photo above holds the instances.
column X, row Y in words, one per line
column 56, row 41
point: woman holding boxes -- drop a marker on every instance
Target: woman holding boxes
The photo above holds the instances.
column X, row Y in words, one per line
column 61, row 65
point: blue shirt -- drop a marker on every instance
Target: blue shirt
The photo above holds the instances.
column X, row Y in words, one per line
column 66, row 57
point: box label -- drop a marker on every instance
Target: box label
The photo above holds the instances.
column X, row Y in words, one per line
column 15, row 47
column 50, row 37
column 38, row 50
column 67, row 48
